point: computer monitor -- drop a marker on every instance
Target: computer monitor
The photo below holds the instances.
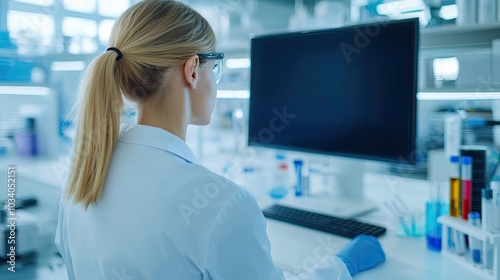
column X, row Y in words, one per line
column 348, row 92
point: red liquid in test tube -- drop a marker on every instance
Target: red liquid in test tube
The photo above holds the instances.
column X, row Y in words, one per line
column 466, row 189
column 466, row 179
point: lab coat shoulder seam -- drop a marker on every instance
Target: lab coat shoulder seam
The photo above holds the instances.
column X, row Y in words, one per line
column 156, row 148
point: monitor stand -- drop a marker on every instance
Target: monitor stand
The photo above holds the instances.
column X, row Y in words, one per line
column 345, row 196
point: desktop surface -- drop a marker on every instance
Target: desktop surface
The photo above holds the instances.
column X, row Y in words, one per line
column 295, row 249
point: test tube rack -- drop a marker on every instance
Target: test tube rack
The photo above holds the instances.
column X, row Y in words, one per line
column 462, row 226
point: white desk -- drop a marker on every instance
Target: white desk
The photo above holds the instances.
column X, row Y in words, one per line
column 293, row 247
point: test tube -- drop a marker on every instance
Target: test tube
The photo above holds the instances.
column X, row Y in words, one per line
column 298, row 170
column 486, row 203
column 495, row 207
column 466, row 185
column 455, row 198
column 455, row 186
column 466, row 178
column 474, row 244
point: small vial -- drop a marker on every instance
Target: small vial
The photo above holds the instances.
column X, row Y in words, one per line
column 486, row 204
column 474, row 243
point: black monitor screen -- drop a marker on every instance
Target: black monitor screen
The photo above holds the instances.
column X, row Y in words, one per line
column 347, row 91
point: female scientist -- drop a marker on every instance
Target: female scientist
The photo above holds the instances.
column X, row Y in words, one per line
column 137, row 204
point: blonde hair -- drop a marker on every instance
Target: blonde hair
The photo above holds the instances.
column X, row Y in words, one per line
column 153, row 36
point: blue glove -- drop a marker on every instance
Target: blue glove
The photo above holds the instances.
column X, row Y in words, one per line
column 364, row 252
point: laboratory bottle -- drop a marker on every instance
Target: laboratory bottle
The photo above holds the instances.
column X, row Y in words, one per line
column 455, row 186
column 466, row 182
column 281, row 178
column 467, row 12
column 486, row 11
column 282, row 171
column 26, row 139
column 7, row 145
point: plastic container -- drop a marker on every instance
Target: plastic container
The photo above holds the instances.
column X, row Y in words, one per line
column 467, row 12
column 282, row 176
column 486, row 11
column 26, row 139
column 15, row 70
column 281, row 182
column 452, row 135
column 6, row 43
column 7, row 147
column 498, row 10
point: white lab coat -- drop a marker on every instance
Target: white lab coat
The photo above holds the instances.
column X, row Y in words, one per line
column 163, row 216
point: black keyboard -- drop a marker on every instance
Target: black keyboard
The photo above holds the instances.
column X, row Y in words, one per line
column 339, row 226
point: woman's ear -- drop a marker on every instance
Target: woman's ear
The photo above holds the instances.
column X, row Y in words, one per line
column 191, row 71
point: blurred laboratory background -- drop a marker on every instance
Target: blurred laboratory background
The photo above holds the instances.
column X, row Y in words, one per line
column 45, row 45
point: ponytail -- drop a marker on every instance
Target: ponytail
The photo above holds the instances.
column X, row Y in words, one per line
column 154, row 36
column 98, row 124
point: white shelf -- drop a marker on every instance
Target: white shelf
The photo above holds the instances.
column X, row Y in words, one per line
column 490, row 92
column 456, row 29
column 459, row 36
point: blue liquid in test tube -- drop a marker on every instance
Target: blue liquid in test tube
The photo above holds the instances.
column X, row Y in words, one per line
column 298, row 171
column 474, row 243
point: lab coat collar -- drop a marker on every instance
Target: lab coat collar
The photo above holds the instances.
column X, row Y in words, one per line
column 157, row 138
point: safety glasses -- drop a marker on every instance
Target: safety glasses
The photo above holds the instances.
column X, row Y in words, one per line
column 218, row 65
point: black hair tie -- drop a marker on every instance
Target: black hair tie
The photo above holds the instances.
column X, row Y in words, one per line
column 120, row 55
